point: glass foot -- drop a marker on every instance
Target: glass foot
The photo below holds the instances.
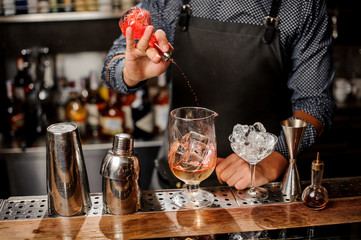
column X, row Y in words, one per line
column 201, row 199
column 254, row 196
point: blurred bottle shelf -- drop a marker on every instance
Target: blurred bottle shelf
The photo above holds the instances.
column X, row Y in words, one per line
column 60, row 17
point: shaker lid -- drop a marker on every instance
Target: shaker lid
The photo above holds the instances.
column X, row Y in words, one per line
column 123, row 142
column 61, row 128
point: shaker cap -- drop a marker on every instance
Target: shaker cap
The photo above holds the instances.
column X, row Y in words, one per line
column 123, row 142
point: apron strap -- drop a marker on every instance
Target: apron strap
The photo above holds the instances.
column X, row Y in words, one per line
column 271, row 22
column 185, row 14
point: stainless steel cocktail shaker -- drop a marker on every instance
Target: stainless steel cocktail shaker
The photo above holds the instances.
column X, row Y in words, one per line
column 120, row 171
column 67, row 179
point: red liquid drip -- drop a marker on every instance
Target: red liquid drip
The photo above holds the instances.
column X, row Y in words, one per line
column 188, row 82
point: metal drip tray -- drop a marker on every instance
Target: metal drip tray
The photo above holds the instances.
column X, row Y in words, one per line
column 36, row 207
column 162, row 200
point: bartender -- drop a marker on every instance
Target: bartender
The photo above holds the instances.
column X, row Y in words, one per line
column 250, row 61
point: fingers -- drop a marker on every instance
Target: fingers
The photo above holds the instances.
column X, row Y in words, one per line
column 162, row 40
column 141, row 48
column 234, row 171
column 219, row 160
column 143, row 43
column 240, row 179
column 223, row 163
column 130, row 43
column 153, row 55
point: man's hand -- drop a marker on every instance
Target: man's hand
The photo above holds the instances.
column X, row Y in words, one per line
column 143, row 62
column 235, row 171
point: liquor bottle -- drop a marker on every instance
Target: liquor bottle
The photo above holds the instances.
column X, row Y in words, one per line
column 61, row 5
column 79, row 5
column 111, row 118
column 142, row 116
column 15, row 114
column 74, row 110
column 46, row 65
column 116, row 6
column 68, row 5
column 35, row 117
column 37, row 104
column 84, row 90
column 23, row 82
column 62, row 98
column 315, row 196
column 105, row 6
column 161, row 106
column 126, row 102
column 43, row 6
column 21, row 6
column 104, row 92
column 32, row 6
column 9, row 8
column 126, row 4
column 45, row 79
column 92, row 5
column 94, row 105
column 53, row 6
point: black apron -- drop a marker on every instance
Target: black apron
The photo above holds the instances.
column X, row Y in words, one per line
column 232, row 72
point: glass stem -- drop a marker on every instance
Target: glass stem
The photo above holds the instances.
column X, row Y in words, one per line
column 192, row 189
column 253, row 171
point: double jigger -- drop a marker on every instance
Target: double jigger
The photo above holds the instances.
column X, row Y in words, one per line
column 293, row 130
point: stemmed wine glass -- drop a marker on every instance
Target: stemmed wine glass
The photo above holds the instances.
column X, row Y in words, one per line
column 192, row 153
column 253, row 144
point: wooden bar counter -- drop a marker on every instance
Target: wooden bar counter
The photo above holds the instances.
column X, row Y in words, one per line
column 163, row 224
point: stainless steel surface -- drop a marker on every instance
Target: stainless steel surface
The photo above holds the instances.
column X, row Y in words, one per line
column 162, row 200
column 35, row 207
column 293, row 130
column 120, row 171
column 291, row 185
column 67, row 180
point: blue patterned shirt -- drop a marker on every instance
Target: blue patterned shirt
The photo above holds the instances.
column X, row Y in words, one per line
column 305, row 41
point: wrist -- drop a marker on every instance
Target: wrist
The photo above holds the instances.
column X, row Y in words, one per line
column 128, row 80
